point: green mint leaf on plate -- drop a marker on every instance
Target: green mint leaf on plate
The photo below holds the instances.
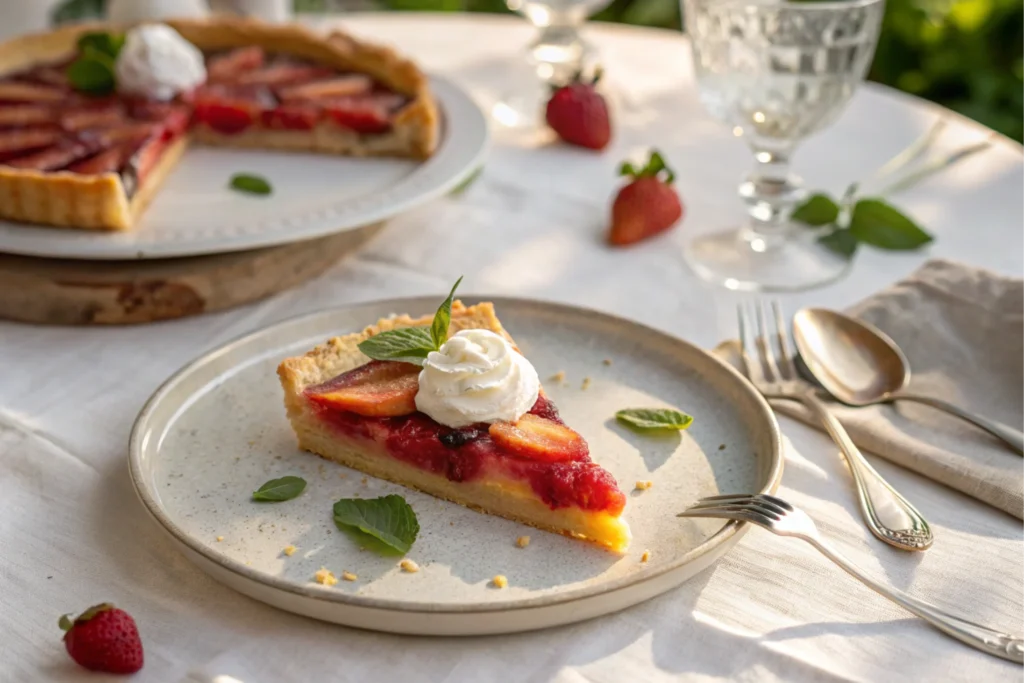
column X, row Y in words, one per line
column 388, row 519
column 92, row 73
column 251, row 184
column 817, row 210
column 109, row 44
column 654, row 419
column 841, row 241
column 443, row 317
column 406, row 345
column 276, row 490
column 881, row 225
column 412, row 344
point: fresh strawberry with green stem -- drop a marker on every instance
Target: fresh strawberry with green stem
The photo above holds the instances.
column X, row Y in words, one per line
column 579, row 114
column 646, row 206
column 103, row 638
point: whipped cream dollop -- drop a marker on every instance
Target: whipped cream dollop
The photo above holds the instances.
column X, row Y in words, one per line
column 156, row 62
column 476, row 376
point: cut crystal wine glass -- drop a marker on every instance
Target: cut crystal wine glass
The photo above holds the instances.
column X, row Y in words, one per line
column 777, row 72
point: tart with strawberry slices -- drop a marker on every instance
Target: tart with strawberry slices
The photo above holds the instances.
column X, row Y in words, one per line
column 75, row 158
column 369, row 415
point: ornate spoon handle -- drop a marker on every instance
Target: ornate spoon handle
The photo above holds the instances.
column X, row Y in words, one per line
column 888, row 514
column 1011, row 436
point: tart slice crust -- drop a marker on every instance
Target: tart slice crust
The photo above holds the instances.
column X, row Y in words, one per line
column 504, row 497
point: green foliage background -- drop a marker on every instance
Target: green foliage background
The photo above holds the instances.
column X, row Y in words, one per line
column 967, row 55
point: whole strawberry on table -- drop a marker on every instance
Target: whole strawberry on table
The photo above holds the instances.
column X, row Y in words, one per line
column 579, row 114
column 103, row 638
column 647, row 205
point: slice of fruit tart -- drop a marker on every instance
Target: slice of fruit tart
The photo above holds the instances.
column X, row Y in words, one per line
column 462, row 417
column 94, row 117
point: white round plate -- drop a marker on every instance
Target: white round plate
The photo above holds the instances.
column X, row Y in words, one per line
column 314, row 195
column 216, row 431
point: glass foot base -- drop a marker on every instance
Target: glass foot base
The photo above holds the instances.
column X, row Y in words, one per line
column 736, row 260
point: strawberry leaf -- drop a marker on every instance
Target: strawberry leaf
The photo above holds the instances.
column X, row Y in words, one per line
column 65, row 622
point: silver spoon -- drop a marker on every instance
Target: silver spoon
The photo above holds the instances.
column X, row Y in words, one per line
column 860, row 365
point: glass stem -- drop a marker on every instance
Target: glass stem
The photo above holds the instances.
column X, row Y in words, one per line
column 770, row 192
column 558, row 52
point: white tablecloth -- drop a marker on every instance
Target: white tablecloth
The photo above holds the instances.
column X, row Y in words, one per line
column 72, row 532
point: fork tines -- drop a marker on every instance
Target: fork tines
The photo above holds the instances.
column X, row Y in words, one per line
column 772, row 349
column 760, row 509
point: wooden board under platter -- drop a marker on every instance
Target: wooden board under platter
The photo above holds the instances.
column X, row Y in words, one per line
column 67, row 292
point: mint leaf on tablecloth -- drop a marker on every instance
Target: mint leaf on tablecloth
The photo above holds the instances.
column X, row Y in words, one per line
column 252, row 184
column 277, row 490
column 443, row 317
column 388, row 519
column 840, row 241
column 407, row 345
column 881, row 225
column 654, row 419
column 819, row 209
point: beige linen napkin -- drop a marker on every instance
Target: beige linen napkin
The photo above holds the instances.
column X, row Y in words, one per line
column 962, row 329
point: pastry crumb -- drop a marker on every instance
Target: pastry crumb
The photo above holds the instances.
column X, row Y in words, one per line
column 289, row 550
column 645, row 557
column 607, row 361
column 585, row 384
column 499, row 581
column 219, row 539
column 644, row 485
column 409, row 566
column 558, row 377
column 523, row 541
column 721, row 446
column 325, row 577
column 364, row 481
column 349, row 576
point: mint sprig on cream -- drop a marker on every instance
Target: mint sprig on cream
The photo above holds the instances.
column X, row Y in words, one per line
column 412, row 344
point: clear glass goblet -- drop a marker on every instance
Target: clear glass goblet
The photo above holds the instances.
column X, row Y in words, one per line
column 554, row 57
column 776, row 71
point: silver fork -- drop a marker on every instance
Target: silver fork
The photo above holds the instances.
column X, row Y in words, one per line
column 781, row 518
column 887, row 514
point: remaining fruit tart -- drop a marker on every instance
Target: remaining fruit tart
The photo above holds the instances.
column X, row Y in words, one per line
column 462, row 417
column 92, row 119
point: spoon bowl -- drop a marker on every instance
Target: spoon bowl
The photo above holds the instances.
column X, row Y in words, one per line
column 855, row 362
column 860, row 365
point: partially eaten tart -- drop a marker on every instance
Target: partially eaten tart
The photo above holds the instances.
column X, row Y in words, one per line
column 535, row 470
column 85, row 160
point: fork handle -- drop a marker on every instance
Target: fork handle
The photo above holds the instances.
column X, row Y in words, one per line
column 977, row 636
column 1009, row 435
column 888, row 515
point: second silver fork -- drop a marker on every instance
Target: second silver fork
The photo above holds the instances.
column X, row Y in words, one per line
column 887, row 514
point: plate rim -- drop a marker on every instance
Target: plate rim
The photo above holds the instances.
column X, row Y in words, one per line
column 727, row 533
column 465, row 146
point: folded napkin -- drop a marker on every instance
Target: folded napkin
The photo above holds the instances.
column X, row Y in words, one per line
column 962, row 329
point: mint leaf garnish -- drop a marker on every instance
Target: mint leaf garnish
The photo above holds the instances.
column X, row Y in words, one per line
column 252, row 184
column 407, row 345
column 412, row 344
column 443, row 317
column 92, row 73
column 817, row 210
column 652, row 419
column 109, row 44
column 881, row 225
column 276, row 490
column 388, row 519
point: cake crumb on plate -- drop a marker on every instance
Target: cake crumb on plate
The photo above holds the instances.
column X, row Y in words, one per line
column 219, row 539
column 289, row 550
column 585, row 384
column 499, row 581
column 523, row 541
column 645, row 557
column 325, row 576
column 349, row 576
column 644, row 485
column 409, row 566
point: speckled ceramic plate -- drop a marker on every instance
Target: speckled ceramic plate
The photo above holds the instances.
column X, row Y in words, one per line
column 216, row 431
column 314, row 195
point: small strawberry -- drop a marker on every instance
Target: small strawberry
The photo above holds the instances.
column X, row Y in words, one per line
column 646, row 206
column 579, row 114
column 103, row 638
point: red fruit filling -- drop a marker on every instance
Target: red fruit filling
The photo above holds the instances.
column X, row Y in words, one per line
column 557, row 466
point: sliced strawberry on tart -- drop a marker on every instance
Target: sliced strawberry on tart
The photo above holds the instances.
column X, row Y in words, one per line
column 461, row 417
column 68, row 100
